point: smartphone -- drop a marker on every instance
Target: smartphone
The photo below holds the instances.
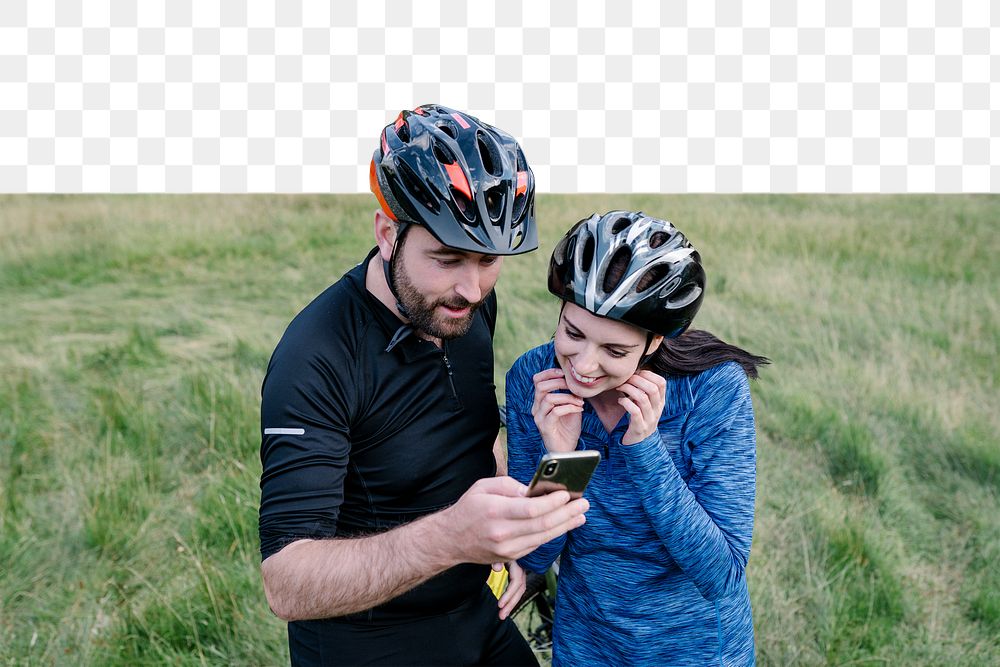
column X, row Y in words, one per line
column 566, row 471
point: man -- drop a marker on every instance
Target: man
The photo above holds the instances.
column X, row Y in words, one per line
column 380, row 514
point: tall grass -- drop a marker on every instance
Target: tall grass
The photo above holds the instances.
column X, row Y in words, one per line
column 136, row 330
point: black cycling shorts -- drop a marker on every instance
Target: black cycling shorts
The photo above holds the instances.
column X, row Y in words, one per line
column 471, row 634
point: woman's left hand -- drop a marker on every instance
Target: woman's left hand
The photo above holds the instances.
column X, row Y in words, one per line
column 644, row 395
column 515, row 589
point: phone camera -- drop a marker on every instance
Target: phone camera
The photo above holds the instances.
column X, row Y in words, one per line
column 550, row 468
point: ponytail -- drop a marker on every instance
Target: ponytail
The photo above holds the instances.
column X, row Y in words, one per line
column 695, row 351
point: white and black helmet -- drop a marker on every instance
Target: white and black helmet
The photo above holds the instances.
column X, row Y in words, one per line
column 630, row 267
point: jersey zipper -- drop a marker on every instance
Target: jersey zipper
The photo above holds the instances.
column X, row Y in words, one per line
column 451, row 375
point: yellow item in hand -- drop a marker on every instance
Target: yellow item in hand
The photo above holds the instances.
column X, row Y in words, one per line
column 498, row 581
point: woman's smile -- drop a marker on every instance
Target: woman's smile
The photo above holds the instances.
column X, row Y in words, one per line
column 582, row 379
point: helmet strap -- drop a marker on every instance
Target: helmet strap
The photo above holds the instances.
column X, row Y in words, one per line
column 562, row 307
column 646, row 356
column 387, row 267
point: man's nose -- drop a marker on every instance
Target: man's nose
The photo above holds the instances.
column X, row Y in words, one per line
column 468, row 285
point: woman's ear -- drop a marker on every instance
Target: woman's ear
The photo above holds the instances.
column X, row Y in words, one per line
column 385, row 234
column 654, row 345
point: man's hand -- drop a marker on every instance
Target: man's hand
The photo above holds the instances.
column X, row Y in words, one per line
column 495, row 522
column 644, row 396
column 492, row 522
column 516, row 581
column 557, row 415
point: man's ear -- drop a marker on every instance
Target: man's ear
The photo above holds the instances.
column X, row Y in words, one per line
column 385, row 234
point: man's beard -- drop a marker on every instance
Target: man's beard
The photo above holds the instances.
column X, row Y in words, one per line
column 422, row 312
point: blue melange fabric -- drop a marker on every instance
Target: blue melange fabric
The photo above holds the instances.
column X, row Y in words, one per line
column 657, row 575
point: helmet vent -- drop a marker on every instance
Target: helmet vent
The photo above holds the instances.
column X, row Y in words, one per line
column 448, row 129
column 658, row 239
column 443, row 153
column 488, row 152
column 413, row 185
column 616, row 268
column 587, row 258
column 684, row 298
column 620, row 224
column 651, row 277
column 519, row 204
column 563, row 250
column 403, row 132
column 494, row 202
column 464, row 205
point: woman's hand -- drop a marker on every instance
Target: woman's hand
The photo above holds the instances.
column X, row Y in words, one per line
column 515, row 588
column 557, row 415
column 644, row 395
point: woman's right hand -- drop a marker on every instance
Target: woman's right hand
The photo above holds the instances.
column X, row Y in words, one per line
column 558, row 416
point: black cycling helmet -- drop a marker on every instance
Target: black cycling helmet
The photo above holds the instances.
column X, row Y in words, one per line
column 629, row 267
column 467, row 182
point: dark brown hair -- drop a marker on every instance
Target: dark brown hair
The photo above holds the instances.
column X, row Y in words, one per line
column 695, row 351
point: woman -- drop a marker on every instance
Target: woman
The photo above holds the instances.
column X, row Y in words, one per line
column 657, row 574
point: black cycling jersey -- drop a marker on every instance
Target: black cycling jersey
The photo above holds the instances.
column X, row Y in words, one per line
column 366, row 428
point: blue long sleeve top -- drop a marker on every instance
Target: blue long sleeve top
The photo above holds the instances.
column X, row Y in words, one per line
column 657, row 575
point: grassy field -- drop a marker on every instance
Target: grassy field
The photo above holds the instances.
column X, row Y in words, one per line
column 136, row 329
